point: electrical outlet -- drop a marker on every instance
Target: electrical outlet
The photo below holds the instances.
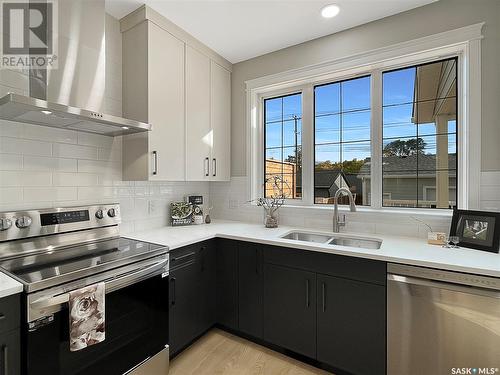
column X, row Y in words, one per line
column 233, row 203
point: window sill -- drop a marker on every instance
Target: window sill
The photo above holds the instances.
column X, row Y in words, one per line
column 428, row 212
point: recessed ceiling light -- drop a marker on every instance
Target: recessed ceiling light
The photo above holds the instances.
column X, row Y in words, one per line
column 125, row 127
column 47, row 112
column 330, row 11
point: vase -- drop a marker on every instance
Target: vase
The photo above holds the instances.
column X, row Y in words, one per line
column 271, row 218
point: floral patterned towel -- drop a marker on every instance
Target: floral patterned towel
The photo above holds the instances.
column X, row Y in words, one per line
column 86, row 317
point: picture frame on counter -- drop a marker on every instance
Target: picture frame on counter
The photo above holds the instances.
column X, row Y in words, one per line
column 476, row 229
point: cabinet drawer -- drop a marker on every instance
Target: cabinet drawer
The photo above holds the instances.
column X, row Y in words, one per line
column 183, row 256
column 367, row 270
column 10, row 313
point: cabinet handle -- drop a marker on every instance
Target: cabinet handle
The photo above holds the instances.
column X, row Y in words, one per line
column 172, row 281
column 256, row 261
column 5, row 350
column 214, row 167
column 323, row 294
column 183, row 256
column 202, row 251
column 307, row 293
column 155, row 163
column 207, row 167
column 2, row 316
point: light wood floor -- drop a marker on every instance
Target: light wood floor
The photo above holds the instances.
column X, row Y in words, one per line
column 219, row 353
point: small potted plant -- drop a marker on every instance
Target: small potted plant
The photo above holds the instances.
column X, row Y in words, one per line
column 273, row 202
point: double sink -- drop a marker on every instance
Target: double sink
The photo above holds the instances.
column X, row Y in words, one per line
column 334, row 239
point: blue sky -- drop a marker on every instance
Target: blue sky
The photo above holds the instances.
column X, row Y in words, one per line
column 348, row 103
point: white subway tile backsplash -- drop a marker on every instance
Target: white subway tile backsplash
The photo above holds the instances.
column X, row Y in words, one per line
column 101, row 167
column 11, row 162
column 96, row 140
column 63, row 150
column 10, row 129
column 25, row 147
column 74, row 179
column 21, row 178
column 44, row 133
column 95, row 193
column 37, row 163
column 11, row 195
column 55, row 194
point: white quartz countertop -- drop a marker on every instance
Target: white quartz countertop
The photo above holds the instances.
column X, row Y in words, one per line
column 9, row 286
column 405, row 250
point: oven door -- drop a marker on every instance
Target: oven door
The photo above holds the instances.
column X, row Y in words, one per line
column 136, row 329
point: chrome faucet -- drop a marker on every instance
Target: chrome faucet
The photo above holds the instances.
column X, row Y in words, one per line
column 337, row 221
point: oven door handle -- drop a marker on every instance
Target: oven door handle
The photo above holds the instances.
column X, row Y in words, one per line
column 112, row 284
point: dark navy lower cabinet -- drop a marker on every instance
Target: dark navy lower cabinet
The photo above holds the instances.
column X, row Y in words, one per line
column 290, row 309
column 227, row 283
column 325, row 308
column 250, row 289
column 351, row 325
column 10, row 335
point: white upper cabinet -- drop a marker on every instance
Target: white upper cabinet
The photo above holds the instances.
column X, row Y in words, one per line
column 183, row 89
column 198, row 130
column 153, row 91
column 221, row 123
column 208, row 118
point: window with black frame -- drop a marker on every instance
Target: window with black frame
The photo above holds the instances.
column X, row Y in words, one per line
column 342, row 146
column 283, row 146
column 420, row 136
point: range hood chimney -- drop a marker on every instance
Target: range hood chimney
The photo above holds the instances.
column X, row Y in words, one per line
column 72, row 96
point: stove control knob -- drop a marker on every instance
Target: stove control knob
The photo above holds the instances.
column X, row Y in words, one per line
column 5, row 224
column 99, row 214
column 111, row 212
column 23, row 222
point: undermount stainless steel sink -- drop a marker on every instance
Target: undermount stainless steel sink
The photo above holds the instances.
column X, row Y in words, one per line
column 307, row 237
column 334, row 239
column 356, row 242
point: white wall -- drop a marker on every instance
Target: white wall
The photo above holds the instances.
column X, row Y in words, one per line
column 44, row 167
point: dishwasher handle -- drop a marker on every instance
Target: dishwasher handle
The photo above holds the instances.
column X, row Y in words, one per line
column 480, row 291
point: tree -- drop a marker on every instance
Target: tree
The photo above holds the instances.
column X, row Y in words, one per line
column 414, row 146
column 347, row 166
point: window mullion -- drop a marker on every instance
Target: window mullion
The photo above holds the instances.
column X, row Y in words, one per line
column 376, row 139
column 308, row 145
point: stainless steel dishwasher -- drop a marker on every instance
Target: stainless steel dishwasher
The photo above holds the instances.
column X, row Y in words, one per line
column 442, row 322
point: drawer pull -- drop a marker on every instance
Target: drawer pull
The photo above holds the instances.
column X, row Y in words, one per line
column 2, row 316
column 183, row 257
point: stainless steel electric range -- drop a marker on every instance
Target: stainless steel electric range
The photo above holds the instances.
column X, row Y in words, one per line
column 55, row 251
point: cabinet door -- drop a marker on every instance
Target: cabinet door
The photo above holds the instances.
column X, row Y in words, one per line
column 206, row 290
column 351, row 325
column 166, row 105
column 183, row 318
column 250, row 288
column 10, row 353
column 227, row 283
column 290, row 309
column 220, row 163
column 198, row 132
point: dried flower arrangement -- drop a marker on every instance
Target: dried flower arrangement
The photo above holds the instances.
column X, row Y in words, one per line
column 272, row 203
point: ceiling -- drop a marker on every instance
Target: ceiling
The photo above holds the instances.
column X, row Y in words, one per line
column 241, row 29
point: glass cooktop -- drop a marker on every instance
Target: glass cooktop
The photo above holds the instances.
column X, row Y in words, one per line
column 43, row 270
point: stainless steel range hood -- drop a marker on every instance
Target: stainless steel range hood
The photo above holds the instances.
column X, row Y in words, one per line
column 56, row 97
column 30, row 110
